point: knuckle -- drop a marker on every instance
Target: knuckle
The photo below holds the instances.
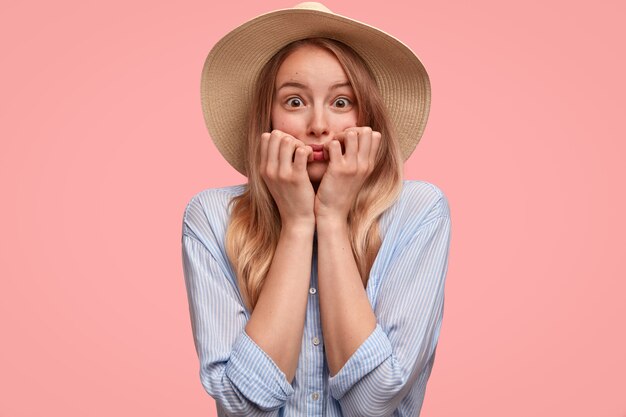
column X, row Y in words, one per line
column 283, row 176
column 276, row 136
column 351, row 169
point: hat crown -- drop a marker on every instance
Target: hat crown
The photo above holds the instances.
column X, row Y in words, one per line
column 312, row 5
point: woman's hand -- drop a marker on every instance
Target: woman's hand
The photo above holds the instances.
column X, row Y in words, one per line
column 286, row 176
column 345, row 173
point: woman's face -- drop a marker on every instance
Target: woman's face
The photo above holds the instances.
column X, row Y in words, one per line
column 313, row 100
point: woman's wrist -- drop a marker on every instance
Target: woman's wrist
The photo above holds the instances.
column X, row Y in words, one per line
column 299, row 226
column 331, row 222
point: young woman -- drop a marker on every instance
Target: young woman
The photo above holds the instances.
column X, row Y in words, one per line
column 317, row 287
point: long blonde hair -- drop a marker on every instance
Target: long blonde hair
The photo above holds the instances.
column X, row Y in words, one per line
column 255, row 224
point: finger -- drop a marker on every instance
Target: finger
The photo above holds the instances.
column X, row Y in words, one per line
column 352, row 146
column 302, row 155
column 272, row 152
column 334, row 150
column 285, row 162
column 376, row 138
column 365, row 144
column 298, row 144
column 265, row 138
column 341, row 137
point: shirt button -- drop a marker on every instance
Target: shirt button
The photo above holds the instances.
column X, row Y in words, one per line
column 316, row 341
column 315, row 396
column 312, row 290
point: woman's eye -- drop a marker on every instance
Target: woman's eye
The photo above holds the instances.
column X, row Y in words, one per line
column 342, row 102
column 294, row 102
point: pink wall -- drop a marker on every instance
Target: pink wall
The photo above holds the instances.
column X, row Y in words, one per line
column 103, row 143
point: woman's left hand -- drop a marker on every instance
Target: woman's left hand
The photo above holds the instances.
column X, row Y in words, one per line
column 345, row 173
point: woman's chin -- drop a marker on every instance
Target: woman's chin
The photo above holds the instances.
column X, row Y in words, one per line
column 316, row 170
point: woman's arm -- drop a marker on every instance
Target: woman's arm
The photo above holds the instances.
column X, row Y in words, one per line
column 277, row 322
column 409, row 310
column 347, row 316
column 234, row 370
column 240, row 375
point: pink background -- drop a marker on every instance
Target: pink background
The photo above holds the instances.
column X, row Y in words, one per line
column 103, row 144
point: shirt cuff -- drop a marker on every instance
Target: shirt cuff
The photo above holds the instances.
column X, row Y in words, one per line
column 256, row 375
column 372, row 352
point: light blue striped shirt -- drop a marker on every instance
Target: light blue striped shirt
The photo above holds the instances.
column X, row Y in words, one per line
column 385, row 376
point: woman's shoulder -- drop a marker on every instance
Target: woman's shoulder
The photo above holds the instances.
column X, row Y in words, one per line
column 207, row 211
column 424, row 195
column 419, row 202
column 210, row 196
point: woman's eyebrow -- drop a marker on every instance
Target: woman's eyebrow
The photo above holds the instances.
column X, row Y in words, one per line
column 304, row 87
column 341, row 84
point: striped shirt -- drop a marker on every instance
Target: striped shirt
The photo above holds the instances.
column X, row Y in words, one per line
column 385, row 376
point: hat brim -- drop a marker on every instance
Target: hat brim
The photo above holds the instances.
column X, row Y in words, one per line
column 233, row 64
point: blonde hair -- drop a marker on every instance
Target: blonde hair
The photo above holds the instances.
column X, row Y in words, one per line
column 255, row 223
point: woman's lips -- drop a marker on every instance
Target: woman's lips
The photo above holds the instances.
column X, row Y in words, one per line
column 318, row 155
column 318, row 152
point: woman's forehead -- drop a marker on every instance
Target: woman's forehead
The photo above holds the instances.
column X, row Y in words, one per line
column 311, row 65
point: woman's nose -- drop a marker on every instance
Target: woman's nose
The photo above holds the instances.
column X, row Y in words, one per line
column 318, row 122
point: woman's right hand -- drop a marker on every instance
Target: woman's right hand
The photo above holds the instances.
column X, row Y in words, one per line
column 287, row 178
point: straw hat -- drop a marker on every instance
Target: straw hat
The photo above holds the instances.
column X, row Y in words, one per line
column 233, row 64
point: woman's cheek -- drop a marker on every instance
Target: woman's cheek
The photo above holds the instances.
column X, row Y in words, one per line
column 278, row 118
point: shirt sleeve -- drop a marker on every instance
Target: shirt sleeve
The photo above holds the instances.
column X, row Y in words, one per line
column 234, row 370
column 409, row 312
